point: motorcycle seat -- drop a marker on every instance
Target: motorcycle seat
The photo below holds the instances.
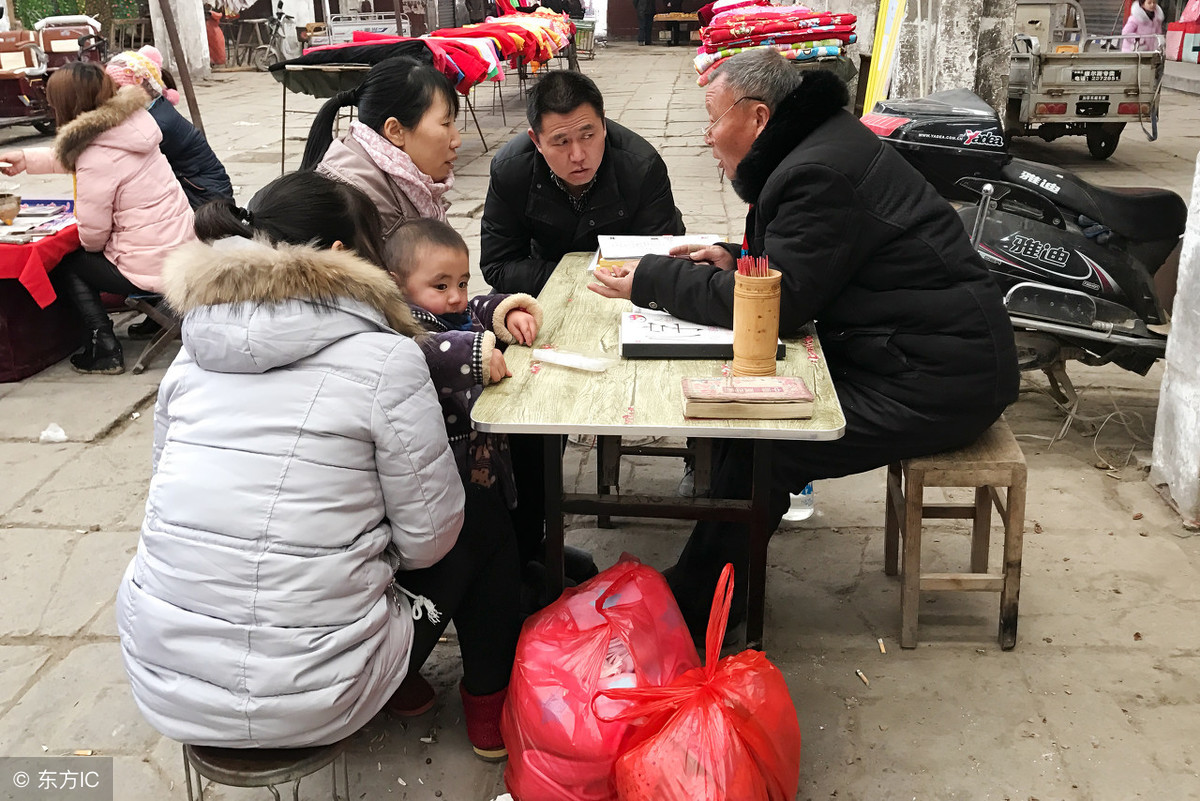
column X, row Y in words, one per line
column 1138, row 214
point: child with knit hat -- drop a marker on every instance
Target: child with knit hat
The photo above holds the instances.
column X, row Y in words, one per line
column 198, row 169
column 144, row 69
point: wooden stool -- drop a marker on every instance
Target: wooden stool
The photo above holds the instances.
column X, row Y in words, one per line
column 609, row 451
column 251, row 767
column 992, row 462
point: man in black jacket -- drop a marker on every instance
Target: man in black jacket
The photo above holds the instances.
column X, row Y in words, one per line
column 918, row 341
column 574, row 177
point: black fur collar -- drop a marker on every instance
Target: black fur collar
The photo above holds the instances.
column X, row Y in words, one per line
column 820, row 95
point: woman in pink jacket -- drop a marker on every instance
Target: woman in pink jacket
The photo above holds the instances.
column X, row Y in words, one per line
column 1145, row 20
column 131, row 210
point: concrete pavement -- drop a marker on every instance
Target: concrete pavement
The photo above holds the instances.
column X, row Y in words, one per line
column 1100, row 701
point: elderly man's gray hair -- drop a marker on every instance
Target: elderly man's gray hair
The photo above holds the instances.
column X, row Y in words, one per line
column 760, row 73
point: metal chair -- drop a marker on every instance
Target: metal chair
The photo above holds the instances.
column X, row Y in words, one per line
column 153, row 307
column 250, row 767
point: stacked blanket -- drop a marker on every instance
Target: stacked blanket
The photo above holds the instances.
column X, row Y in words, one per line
column 798, row 33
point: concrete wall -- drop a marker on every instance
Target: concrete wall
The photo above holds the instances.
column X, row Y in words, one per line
column 189, row 18
column 1176, row 465
column 950, row 44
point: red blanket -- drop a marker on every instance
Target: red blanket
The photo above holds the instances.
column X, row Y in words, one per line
column 760, row 27
column 840, row 32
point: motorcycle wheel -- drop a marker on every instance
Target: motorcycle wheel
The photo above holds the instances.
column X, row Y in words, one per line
column 1102, row 139
column 264, row 57
column 46, row 127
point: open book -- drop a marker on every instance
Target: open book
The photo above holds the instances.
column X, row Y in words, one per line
column 748, row 397
column 652, row 334
column 617, row 249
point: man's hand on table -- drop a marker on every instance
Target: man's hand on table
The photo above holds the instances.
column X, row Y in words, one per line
column 615, row 282
column 709, row 254
column 14, row 162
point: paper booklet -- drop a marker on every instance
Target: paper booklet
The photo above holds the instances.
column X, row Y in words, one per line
column 616, row 249
column 651, row 334
column 748, row 397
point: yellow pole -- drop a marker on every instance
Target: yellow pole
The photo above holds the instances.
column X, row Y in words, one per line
column 883, row 50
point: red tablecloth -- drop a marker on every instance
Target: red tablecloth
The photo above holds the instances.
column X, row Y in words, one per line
column 31, row 264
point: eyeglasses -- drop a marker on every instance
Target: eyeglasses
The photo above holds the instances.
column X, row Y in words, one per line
column 708, row 129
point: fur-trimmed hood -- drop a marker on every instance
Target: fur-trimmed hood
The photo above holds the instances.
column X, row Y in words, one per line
column 820, row 95
column 77, row 135
column 249, row 306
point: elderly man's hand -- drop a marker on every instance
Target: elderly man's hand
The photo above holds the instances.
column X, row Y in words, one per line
column 710, row 254
column 615, row 282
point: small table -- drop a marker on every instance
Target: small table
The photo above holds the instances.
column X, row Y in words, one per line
column 640, row 398
column 35, row 330
column 679, row 23
column 31, row 263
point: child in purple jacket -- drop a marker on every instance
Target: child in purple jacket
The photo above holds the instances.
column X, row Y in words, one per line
column 465, row 346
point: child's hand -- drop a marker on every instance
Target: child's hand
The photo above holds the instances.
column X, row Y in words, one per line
column 498, row 369
column 521, row 325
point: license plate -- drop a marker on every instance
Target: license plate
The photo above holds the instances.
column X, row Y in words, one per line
column 1093, row 98
column 1103, row 76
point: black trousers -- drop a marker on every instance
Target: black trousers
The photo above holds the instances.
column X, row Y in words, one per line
column 879, row 431
column 81, row 276
column 646, row 28
column 477, row 585
column 529, row 518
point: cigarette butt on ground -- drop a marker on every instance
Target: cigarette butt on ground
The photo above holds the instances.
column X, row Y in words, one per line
column 863, row 676
column 882, row 647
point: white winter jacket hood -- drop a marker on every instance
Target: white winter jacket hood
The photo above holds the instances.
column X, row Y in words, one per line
column 299, row 457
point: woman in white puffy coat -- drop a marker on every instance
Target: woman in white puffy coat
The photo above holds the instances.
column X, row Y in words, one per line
column 300, row 459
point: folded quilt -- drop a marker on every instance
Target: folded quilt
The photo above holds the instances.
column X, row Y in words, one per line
column 807, row 54
column 703, row 61
column 842, row 33
column 758, row 27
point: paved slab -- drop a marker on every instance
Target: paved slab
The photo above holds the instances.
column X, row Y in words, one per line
column 1097, row 703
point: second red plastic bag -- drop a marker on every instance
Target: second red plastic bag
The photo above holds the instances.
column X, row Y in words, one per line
column 724, row 731
column 620, row 629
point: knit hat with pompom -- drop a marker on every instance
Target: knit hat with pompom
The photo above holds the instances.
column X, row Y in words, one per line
column 144, row 69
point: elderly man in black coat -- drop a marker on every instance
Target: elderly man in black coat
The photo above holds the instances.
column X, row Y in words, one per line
column 915, row 331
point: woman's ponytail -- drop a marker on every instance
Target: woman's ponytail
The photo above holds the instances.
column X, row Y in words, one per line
column 219, row 219
column 320, row 135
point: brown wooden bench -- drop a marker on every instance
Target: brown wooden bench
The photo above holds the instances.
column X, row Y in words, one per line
column 992, row 463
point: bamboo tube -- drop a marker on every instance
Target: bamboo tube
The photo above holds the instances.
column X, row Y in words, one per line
column 755, row 323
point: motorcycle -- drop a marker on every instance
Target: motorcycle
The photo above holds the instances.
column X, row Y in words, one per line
column 1076, row 261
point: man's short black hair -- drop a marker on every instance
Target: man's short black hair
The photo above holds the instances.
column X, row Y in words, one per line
column 561, row 92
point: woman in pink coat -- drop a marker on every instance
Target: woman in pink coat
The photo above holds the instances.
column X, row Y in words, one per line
column 1145, row 20
column 131, row 210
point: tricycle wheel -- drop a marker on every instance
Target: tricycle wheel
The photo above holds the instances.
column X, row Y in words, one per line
column 46, row 127
column 1102, row 138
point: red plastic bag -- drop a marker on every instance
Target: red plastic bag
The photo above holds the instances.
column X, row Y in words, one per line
column 724, row 731
column 621, row 628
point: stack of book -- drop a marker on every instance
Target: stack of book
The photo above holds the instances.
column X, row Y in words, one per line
column 747, row 397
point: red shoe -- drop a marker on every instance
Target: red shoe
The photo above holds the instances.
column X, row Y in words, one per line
column 482, row 713
column 414, row 696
